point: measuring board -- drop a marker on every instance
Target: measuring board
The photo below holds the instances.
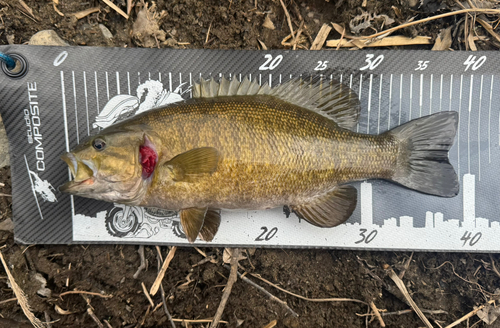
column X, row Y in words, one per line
column 70, row 93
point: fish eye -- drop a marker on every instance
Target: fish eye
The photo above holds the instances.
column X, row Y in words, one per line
column 99, row 144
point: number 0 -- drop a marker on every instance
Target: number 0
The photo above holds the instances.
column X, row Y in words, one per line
column 60, row 58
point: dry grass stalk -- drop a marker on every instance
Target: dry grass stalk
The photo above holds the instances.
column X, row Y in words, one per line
column 488, row 28
column 145, row 290
column 390, row 41
column 453, row 13
column 86, row 12
column 400, row 284
column 115, row 8
column 320, row 39
column 227, row 291
column 21, row 297
column 306, row 298
column 208, row 32
column 27, row 9
column 271, row 296
column 161, row 274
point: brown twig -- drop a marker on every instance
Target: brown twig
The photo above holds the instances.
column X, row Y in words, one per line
column 227, row 291
column 493, row 266
column 95, row 318
column 84, row 292
column 161, row 274
column 162, row 291
column 143, row 262
column 268, row 294
column 8, row 300
column 377, row 314
column 5, row 195
column 197, row 321
column 453, row 13
column 289, row 20
column 405, row 267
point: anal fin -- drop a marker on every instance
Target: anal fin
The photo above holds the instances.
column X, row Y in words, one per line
column 329, row 210
column 210, row 225
column 192, row 221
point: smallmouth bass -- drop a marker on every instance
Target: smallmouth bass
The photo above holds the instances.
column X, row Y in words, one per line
column 238, row 145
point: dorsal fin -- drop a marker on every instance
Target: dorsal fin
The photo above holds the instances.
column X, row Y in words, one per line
column 329, row 98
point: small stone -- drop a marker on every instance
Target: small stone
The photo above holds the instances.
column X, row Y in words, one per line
column 47, row 38
column 10, row 38
column 105, row 32
column 310, row 14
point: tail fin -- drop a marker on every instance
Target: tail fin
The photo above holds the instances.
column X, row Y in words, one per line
column 423, row 162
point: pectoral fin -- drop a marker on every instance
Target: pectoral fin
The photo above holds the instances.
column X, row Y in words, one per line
column 210, row 225
column 193, row 162
column 192, row 221
column 329, row 210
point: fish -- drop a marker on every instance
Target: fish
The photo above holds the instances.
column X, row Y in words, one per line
column 240, row 145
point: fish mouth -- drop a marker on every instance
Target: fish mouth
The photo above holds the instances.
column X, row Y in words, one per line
column 83, row 172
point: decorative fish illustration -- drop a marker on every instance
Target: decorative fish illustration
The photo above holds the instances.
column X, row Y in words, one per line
column 238, row 145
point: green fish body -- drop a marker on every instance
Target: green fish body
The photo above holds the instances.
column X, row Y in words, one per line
column 241, row 146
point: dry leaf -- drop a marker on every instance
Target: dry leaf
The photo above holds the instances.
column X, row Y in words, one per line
column 443, row 41
column 86, row 12
column 488, row 28
column 489, row 314
column 470, row 40
column 226, row 256
column 363, row 21
column 62, row 311
column 268, row 23
column 271, row 324
column 262, row 44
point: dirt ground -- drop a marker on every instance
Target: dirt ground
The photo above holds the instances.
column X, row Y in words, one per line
column 449, row 285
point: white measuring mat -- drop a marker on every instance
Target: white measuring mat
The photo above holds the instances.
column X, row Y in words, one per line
column 77, row 95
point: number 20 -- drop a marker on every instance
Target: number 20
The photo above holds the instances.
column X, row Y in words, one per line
column 271, row 63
